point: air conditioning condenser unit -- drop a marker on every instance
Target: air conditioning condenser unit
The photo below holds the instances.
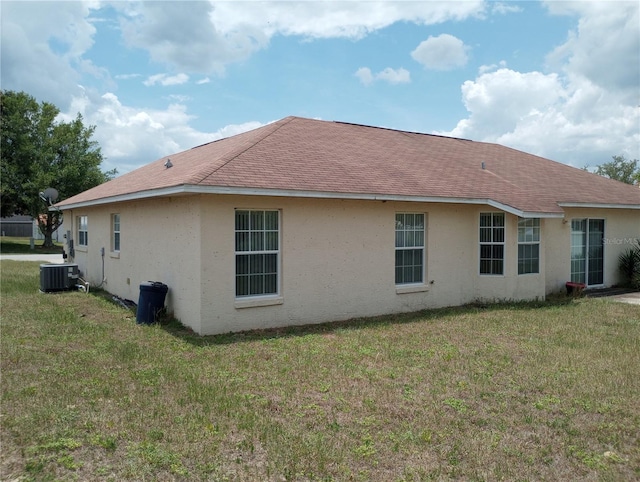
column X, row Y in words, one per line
column 58, row 277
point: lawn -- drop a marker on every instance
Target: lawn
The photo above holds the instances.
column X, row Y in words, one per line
column 544, row 391
column 16, row 245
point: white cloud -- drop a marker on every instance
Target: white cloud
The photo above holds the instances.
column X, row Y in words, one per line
column 235, row 129
column 209, row 35
column 444, row 52
column 127, row 76
column 605, row 48
column 400, row 76
column 40, row 53
column 505, row 8
column 570, row 119
column 44, row 54
column 585, row 110
column 166, row 80
column 130, row 137
column 392, row 76
column 365, row 75
column 498, row 100
column 185, row 38
column 206, row 80
column 334, row 19
column 489, row 68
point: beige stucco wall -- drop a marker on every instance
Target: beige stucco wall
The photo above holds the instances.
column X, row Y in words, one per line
column 337, row 257
column 160, row 241
column 338, row 262
column 620, row 228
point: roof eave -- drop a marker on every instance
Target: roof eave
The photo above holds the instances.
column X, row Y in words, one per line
column 598, row 205
column 244, row 191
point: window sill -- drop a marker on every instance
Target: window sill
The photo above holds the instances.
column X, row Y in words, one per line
column 82, row 249
column 402, row 289
column 114, row 254
column 255, row 302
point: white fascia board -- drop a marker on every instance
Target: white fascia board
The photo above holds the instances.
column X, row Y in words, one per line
column 135, row 196
column 523, row 214
column 241, row 191
column 599, row 205
column 374, row 197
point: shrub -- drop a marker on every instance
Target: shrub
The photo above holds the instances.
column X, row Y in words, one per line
column 629, row 265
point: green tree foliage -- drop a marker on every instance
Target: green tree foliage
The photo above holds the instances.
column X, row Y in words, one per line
column 38, row 152
column 621, row 169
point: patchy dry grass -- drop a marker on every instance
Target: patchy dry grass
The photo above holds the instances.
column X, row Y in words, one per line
column 512, row 392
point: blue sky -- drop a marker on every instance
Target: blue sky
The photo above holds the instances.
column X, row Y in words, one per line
column 557, row 79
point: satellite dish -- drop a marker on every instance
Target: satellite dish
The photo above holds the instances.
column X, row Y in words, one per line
column 50, row 194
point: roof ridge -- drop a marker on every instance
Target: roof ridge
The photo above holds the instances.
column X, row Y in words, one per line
column 402, row 131
column 272, row 127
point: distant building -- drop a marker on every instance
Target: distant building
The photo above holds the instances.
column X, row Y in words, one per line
column 17, row 226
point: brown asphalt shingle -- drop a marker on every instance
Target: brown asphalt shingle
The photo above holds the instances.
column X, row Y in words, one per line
column 297, row 154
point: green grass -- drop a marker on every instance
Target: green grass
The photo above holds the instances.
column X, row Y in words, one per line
column 544, row 391
column 15, row 245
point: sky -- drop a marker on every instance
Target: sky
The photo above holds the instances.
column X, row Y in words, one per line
column 556, row 79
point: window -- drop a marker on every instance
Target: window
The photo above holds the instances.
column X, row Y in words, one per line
column 115, row 229
column 409, row 248
column 528, row 246
column 491, row 243
column 83, row 231
column 587, row 251
column 257, row 252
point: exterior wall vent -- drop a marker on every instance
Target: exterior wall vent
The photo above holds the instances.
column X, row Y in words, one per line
column 58, row 277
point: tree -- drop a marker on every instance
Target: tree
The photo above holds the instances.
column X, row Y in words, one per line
column 621, row 169
column 38, row 152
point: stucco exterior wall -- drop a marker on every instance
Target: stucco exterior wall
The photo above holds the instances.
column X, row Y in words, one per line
column 338, row 260
column 160, row 241
column 620, row 228
column 337, row 257
column 557, row 253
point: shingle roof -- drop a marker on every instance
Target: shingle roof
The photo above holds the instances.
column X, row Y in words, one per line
column 300, row 156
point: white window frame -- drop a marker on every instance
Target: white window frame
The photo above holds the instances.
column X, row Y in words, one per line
column 528, row 235
column 245, row 239
column 492, row 242
column 115, row 233
column 410, row 237
column 83, row 230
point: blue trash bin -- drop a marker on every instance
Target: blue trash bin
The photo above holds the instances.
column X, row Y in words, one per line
column 151, row 301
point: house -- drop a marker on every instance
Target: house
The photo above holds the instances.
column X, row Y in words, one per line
column 305, row 221
column 24, row 227
column 17, row 226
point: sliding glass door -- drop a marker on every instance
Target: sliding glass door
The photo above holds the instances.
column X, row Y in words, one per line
column 587, row 251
